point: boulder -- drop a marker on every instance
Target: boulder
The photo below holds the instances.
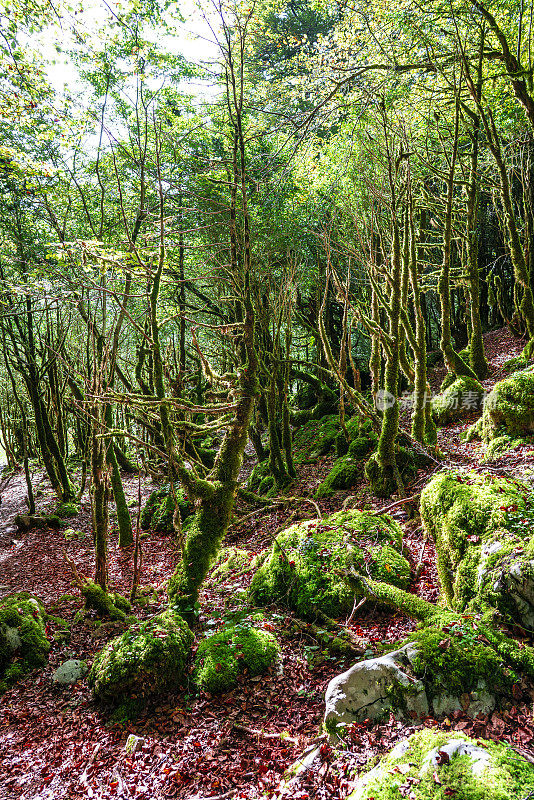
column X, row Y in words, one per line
column 458, row 400
column 147, row 659
column 509, row 407
column 482, row 527
column 438, row 670
column 439, row 764
column 310, row 563
column 70, row 672
column 23, row 641
column 372, row 688
column 232, row 651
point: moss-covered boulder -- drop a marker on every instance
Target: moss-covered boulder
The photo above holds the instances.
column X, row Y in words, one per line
column 233, row 561
column 149, row 658
column 158, row 511
column 23, row 641
column 509, row 407
column 233, row 651
column 348, row 469
column 458, row 400
column 483, row 527
column 432, row 765
column 67, row 510
column 345, row 472
column 310, row 563
column 447, row 666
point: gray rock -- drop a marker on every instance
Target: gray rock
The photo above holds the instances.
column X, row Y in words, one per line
column 479, row 757
column 133, row 743
column 369, row 688
column 70, row 672
column 13, row 639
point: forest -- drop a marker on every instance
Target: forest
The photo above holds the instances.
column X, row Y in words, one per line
column 267, row 400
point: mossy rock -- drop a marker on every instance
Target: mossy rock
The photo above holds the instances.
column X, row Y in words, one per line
column 432, row 765
column 234, row 650
column 67, row 510
column 23, row 641
column 458, row 400
column 345, row 472
column 482, row 526
column 147, row 659
column 316, row 438
column 158, row 511
column 233, row 561
column 306, row 565
column 516, row 363
column 257, row 475
column 509, row 407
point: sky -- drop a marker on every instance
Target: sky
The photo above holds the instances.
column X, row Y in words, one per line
column 194, row 41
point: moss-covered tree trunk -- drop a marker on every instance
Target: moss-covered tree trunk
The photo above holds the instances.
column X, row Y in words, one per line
column 477, row 358
column 454, row 362
column 124, row 520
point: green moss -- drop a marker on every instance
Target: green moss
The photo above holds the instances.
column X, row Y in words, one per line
column 383, row 483
column 23, row 641
column 452, row 660
column 481, row 525
column 345, row 472
column 147, row 659
column 102, row 602
column 66, row 510
column 509, row 407
column 266, row 485
column 231, row 652
column 462, row 397
column 158, row 511
column 315, row 438
column 310, row 563
column 233, row 561
column 259, row 472
column 410, row 770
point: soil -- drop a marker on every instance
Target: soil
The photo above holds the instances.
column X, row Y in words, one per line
column 56, row 743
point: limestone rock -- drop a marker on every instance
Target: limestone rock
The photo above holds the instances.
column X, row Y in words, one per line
column 70, row 672
column 371, row 688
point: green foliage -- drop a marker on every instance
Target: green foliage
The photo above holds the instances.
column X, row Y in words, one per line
column 310, row 563
column 234, row 650
column 149, row 658
column 345, row 472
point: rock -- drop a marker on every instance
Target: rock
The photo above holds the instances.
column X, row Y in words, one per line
column 304, row 569
column 23, row 641
column 158, row 511
column 431, row 761
column 481, row 525
column 133, row 744
column 232, row 651
column 458, row 400
column 70, row 672
column 147, row 659
column 432, row 674
column 374, row 687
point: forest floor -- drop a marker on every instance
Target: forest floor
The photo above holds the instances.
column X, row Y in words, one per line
column 56, row 743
